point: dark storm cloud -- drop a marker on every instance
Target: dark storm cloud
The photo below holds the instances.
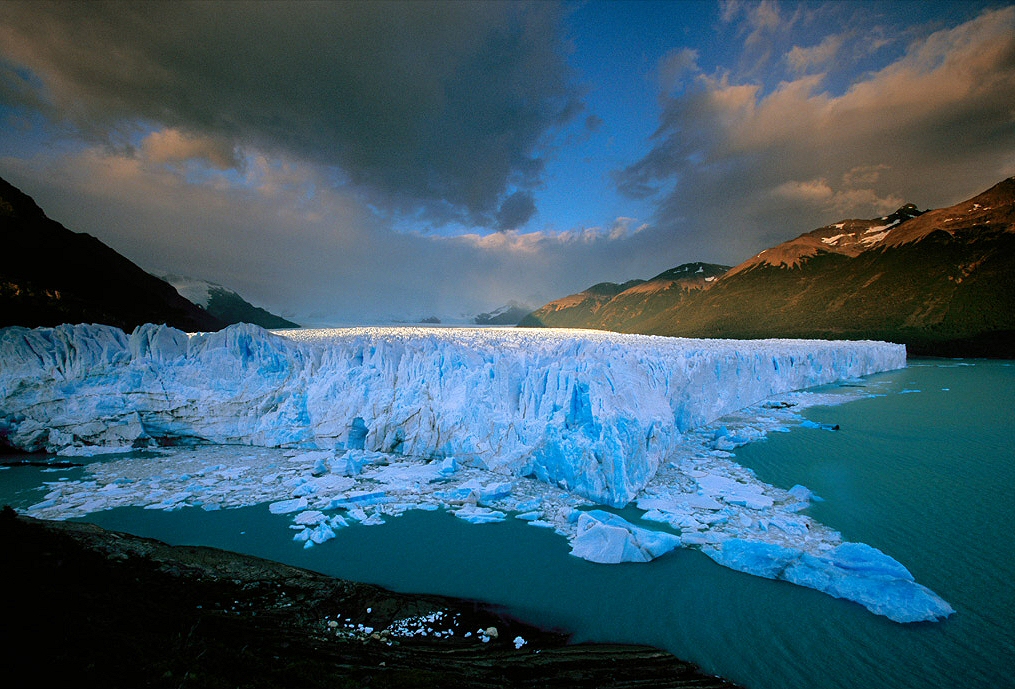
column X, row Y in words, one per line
column 426, row 106
column 515, row 211
column 324, row 260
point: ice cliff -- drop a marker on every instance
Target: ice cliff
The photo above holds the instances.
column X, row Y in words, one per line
column 592, row 412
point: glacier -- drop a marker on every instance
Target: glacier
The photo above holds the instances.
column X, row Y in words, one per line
column 592, row 412
column 352, row 425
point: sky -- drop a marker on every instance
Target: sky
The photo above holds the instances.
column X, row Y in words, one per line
column 361, row 163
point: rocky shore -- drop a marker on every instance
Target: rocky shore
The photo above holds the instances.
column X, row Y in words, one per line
column 88, row 607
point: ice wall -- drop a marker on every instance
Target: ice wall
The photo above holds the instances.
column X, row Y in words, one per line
column 592, row 412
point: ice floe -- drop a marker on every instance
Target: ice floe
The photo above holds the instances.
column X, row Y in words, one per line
column 608, row 539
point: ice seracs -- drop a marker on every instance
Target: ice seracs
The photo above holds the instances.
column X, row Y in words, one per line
column 592, row 412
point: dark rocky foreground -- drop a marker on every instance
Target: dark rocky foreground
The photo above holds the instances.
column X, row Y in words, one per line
column 88, row 607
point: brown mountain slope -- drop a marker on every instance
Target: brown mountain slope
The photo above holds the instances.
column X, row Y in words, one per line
column 941, row 282
column 50, row 275
column 849, row 238
column 988, row 213
column 625, row 307
column 576, row 310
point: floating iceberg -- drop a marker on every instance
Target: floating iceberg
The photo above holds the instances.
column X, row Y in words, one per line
column 608, row 539
column 854, row 571
column 592, row 412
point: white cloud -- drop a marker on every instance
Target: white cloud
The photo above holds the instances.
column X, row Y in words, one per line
column 864, row 174
column 817, row 193
column 674, row 66
column 812, row 191
column 816, row 57
column 764, row 17
column 517, row 242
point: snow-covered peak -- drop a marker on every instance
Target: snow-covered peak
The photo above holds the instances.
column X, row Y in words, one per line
column 192, row 289
column 691, row 272
column 834, row 239
column 225, row 304
column 875, row 235
column 847, row 237
column 509, row 314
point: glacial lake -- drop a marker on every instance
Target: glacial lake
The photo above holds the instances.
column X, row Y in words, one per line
column 923, row 471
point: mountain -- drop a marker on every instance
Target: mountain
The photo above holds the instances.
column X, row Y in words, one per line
column 510, row 314
column 225, row 304
column 578, row 310
column 629, row 306
column 51, row 275
column 942, row 282
column 849, row 238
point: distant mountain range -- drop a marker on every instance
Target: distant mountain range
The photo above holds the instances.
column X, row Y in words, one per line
column 225, row 304
column 509, row 314
column 942, row 282
column 632, row 306
column 50, row 275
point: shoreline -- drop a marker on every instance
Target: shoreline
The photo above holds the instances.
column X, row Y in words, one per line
column 90, row 607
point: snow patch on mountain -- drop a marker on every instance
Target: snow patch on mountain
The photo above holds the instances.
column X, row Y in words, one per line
column 192, row 289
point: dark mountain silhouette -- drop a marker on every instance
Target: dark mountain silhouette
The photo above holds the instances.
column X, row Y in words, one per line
column 509, row 314
column 225, row 304
column 50, row 275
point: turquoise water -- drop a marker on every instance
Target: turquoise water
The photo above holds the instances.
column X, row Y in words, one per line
column 924, row 473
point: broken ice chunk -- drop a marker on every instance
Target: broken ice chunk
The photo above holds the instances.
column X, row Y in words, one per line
column 406, row 475
column 680, row 503
column 479, row 515
column 606, row 538
column 734, row 492
column 310, row 518
column 359, row 498
column 854, row 571
column 324, row 531
column 287, row 506
column 807, row 423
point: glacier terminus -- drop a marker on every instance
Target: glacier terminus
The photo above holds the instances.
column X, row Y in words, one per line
column 555, row 427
